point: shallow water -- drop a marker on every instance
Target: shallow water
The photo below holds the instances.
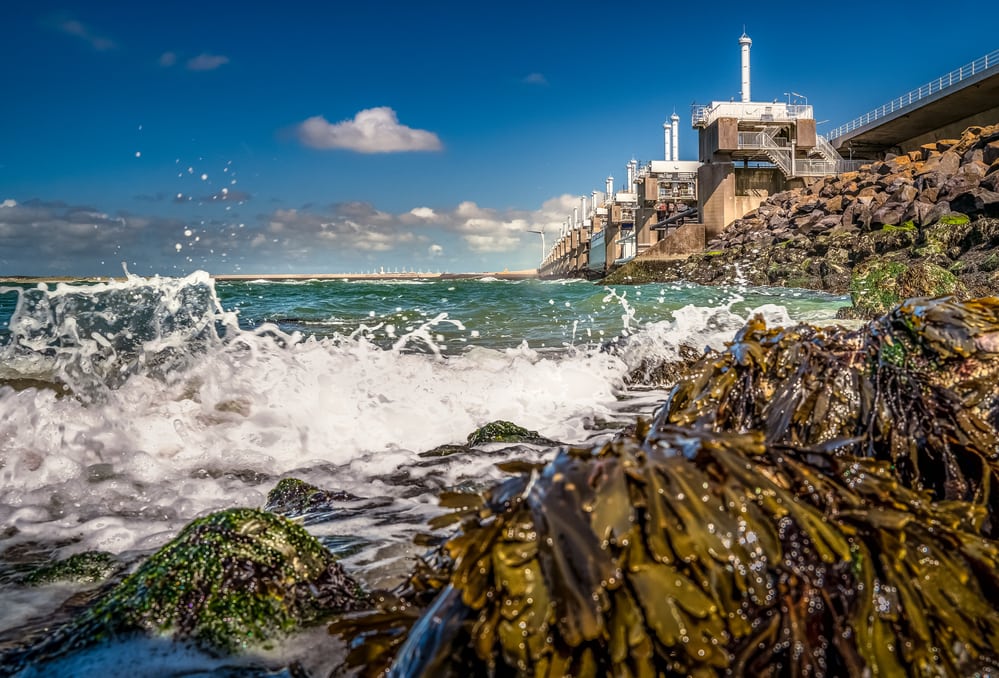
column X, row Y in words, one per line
column 130, row 408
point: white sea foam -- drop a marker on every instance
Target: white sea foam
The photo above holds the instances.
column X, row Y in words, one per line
column 182, row 414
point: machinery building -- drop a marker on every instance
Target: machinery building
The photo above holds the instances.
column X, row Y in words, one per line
column 748, row 150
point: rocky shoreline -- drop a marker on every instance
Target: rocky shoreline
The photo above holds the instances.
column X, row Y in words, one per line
column 921, row 224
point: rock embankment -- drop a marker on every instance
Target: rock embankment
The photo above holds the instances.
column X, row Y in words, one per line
column 922, row 223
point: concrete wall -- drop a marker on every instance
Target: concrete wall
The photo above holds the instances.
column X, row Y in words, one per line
column 718, row 139
column 805, row 130
column 953, row 130
column 684, row 240
column 758, row 181
column 645, row 219
column 611, row 232
column 728, row 193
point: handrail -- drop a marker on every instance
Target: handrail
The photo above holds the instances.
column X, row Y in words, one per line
column 702, row 115
column 979, row 65
column 826, row 149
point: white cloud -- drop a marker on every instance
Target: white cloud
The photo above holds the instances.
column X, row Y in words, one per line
column 422, row 213
column 435, row 250
column 374, row 130
column 535, row 79
column 167, row 59
column 206, row 62
column 80, row 30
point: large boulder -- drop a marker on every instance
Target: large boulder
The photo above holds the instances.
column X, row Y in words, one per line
column 231, row 580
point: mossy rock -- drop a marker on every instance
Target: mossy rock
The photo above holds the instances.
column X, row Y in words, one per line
column 885, row 240
column 990, row 263
column 293, row 497
column 942, row 237
column 229, row 580
column 81, row 568
column 642, row 271
column 983, row 233
column 879, row 285
column 954, row 219
column 506, row 432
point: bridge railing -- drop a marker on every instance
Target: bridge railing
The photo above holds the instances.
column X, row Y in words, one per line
column 987, row 62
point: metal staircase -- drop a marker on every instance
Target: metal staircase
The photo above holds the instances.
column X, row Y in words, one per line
column 777, row 151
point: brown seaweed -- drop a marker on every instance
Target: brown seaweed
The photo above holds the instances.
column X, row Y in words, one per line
column 917, row 388
column 808, row 503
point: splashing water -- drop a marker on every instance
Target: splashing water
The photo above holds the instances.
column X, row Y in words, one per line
column 154, row 401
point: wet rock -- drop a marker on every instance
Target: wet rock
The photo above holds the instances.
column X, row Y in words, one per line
column 879, row 284
column 446, row 451
column 292, row 497
column 230, row 580
column 82, row 568
column 506, row 432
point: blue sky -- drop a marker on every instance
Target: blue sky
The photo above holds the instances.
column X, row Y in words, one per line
column 339, row 137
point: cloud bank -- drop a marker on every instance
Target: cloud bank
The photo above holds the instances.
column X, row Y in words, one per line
column 373, row 130
column 51, row 237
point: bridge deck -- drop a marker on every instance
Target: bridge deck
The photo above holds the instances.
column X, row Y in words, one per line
column 970, row 94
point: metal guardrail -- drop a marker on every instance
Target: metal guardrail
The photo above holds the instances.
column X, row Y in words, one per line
column 987, row 62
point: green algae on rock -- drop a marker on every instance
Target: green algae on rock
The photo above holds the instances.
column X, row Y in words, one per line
column 81, row 568
column 506, row 432
column 293, row 497
column 229, row 580
column 878, row 285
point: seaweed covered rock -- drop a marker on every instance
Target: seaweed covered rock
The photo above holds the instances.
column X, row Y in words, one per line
column 81, row 568
column 916, row 388
column 229, row 580
column 688, row 552
column 293, row 497
column 809, row 502
column 506, row 432
column 880, row 284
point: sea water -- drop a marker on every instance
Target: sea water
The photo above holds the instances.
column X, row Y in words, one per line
column 129, row 408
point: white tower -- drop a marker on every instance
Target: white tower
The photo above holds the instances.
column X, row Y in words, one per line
column 745, row 44
column 676, row 136
column 610, row 188
column 667, row 137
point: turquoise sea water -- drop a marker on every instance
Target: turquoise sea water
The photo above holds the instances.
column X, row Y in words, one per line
column 130, row 408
